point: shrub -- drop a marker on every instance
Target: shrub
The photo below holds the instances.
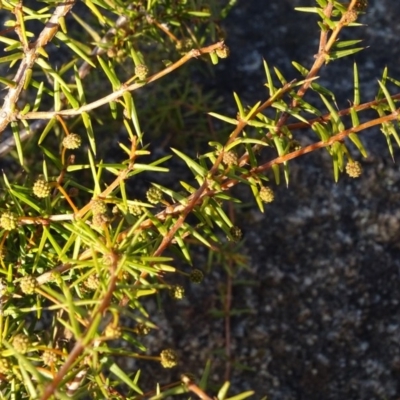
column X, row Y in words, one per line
column 81, row 247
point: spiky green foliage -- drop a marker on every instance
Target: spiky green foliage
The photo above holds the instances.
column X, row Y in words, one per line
column 79, row 270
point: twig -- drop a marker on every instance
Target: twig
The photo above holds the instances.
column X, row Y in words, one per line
column 31, row 53
column 120, row 92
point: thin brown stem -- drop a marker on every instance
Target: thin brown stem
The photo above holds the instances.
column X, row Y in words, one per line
column 31, row 53
column 123, row 89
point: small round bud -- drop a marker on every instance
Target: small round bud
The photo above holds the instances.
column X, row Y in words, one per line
column 135, row 210
column 236, row 233
column 141, row 329
column 141, row 71
column 177, row 292
column 92, row 282
column 41, row 188
column 188, row 43
column 110, row 258
column 350, row 16
column 98, row 207
column 8, row 221
column 28, row 284
column 3, row 253
column 49, row 358
column 267, row 194
column 223, row 51
column 72, row 141
column 113, row 332
column 21, row 343
column 169, row 358
column 154, row 195
column 5, row 366
column 354, row 169
column 196, row 276
column 121, row 56
column 99, row 220
column 179, row 45
column 230, row 158
column 111, row 52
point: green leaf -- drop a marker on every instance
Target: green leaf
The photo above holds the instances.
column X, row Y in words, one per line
column 76, row 47
column 303, row 71
column 223, row 118
column 256, row 195
column 72, row 311
column 47, row 69
column 38, row 99
column 214, row 58
column 56, row 160
column 356, row 140
column 322, row 90
column 270, row 83
column 204, row 378
column 321, row 130
column 337, row 159
column 79, row 86
column 222, row 393
column 280, row 76
column 337, row 123
column 354, row 117
column 388, row 97
column 277, row 175
column 135, row 120
column 356, row 100
column 18, row 144
column 128, row 104
column 341, row 44
column 242, row 396
column 97, row 188
column 327, row 21
column 239, row 105
column 47, row 129
column 252, row 111
column 123, row 377
column 279, row 105
column 191, row 163
column 109, row 71
column 11, row 57
column 334, row 55
column 307, row 9
column 100, row 15
column 57, row 96
column 71, row 99
column 25, row 199
column 201, row 14
column 197, row 235
column 89, row 130
column 176, row 196
column 184, row 249
column 380, row 94
column 87, row 27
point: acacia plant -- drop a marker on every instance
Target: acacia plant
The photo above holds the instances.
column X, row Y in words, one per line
column 81, row 250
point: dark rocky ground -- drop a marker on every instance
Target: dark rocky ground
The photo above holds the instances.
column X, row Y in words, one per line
column 324, row 266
